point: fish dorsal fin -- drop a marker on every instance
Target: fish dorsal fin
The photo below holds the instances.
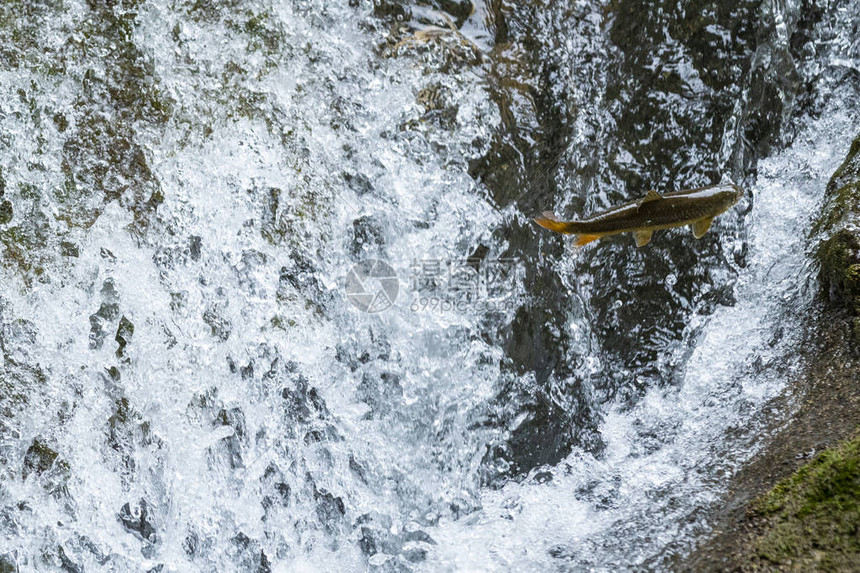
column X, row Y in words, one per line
column 642, row 237
column 701, row 226
column 650, row 196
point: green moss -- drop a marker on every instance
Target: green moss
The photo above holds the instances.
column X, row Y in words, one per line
column 842, row 203
column 838, row 253
column 39, row 458
column 840, row 271
column 843, row 193
column 850, row 168
column 5, row 212
column 812, row 518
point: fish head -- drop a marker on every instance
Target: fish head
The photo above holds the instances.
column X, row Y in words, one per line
column 727, row 194
column 732, row 193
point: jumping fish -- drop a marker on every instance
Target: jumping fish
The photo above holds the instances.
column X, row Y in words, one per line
column 694, row 207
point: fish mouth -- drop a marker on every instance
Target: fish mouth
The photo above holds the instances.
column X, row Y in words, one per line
column 736, row 192
column 739, row 192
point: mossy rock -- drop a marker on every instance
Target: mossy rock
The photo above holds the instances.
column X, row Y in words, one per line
column 842, row 199
column 811, row 520
column 839, row 227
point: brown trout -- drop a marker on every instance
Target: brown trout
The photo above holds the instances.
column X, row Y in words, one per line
column 695, row 207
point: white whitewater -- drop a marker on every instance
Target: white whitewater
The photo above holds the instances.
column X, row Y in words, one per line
column 258, row 421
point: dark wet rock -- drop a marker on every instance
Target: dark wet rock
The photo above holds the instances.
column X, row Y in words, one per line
column 68, row 249
column 101, row 320
column 373, row 541
column 191, row 544
column 279, row 490
column 19, row 377
column 438, row 108
column 5, row 212
column 233, row 444
column 367, row 235
column 114, row 374
column 300, row 276
column 303, row 402
column 178, row 254
column 828, row 412
column 431, row 36
column 839, row 250
column 391, row 9
column 127, row 432
column 60, row 121
column 376, row 536
column 221, row 326
column 415, row 554
column 251, row 261
column 67, row 564
column 272, row 228
column 248, row 554
column 357, row 468
column 330, row 509
column 454, row 12
column 476, row 259
column 195, row 244
column 7, row 564
column 101, row 151
column 121, row 432
column 418, row 536
column 16, row 338
column 24, row 239
column 138, row 521
column 265, row 32
column 381, row 391
column 38, row 459
column 327, row 433
column 359, row 183
column 124, row 332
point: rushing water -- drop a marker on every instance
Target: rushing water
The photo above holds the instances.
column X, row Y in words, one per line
column 189, row 190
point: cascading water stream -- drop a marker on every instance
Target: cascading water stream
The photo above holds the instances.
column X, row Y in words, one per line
column 185, row 383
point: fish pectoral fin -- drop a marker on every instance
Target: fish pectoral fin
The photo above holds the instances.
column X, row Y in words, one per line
column 642, row 237
column 650, row 196
column 701, row 227
column 584, row 239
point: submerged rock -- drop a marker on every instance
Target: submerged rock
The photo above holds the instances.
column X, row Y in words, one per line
column 39, row 458
column 138, row 520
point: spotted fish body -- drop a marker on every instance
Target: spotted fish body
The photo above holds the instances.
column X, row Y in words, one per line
column 695, row 207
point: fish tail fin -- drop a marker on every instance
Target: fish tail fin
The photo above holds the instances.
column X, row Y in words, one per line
column 548, row 220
